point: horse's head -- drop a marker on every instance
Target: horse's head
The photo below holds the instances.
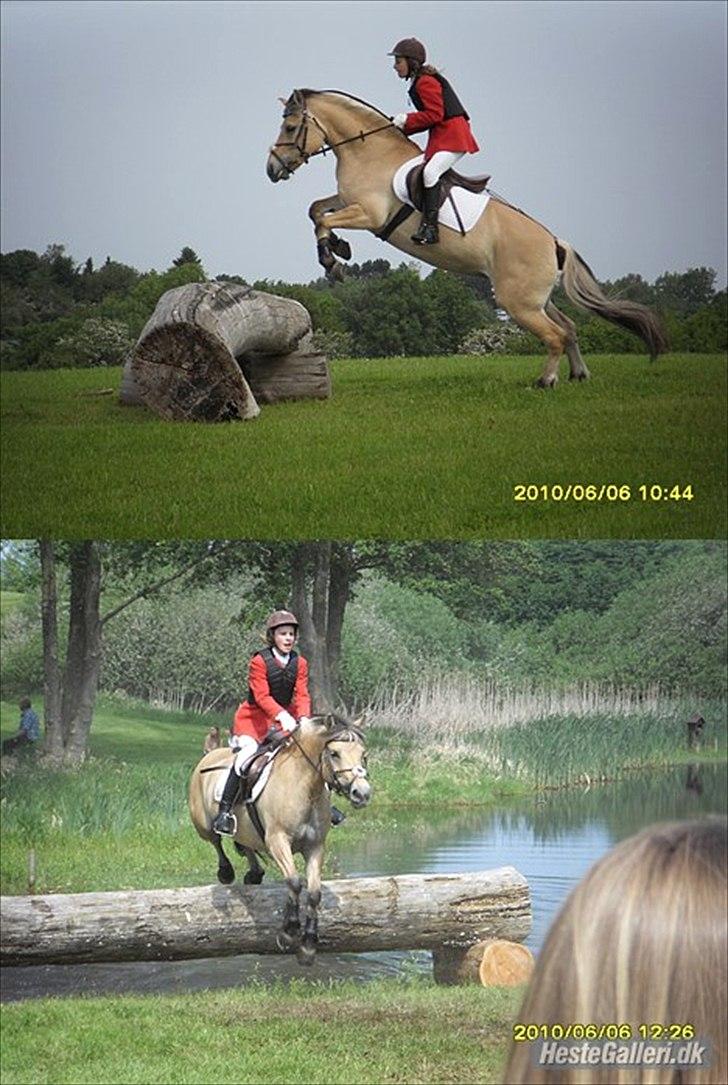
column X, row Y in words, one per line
column 300, row 136
column 344, row 758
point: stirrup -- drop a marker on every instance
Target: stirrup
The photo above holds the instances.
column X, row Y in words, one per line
column 226, row 823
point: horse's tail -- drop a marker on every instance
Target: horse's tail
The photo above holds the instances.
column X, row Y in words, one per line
column 581, row 287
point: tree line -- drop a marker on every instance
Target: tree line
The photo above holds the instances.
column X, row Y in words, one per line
column 57, row 312
column 174, row 623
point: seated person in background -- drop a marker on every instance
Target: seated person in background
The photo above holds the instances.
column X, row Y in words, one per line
column 28, row 728
column 641, row 941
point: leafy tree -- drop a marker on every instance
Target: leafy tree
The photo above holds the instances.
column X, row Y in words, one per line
column 686, row 293
column 17, row 267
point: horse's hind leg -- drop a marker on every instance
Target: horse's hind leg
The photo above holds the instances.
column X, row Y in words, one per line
column 254, row 876
column 280, row 850
column 577, row 366
column 551, row 334
column 225, row 869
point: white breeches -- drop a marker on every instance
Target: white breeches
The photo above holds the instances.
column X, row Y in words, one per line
column 246, row 746
column 438, row 164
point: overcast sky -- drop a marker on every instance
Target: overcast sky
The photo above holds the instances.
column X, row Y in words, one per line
column 131, row 128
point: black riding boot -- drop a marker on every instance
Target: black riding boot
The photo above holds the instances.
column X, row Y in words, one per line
column 428, row 232
column 225, row 822
column 336, row 816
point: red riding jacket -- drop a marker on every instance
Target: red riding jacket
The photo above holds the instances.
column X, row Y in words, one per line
column 256, row 719
column 446, row 133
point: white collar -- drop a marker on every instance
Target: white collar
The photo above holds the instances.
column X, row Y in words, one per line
column 280, row 657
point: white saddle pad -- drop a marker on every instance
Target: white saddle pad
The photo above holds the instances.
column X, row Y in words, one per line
column 470, row 205
column 260, row 783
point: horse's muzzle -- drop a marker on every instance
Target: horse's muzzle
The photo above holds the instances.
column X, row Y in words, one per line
column 359, row 793
column 277, row 169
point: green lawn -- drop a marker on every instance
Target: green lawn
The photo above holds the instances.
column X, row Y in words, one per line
column 385, row 1031
column 406, row 448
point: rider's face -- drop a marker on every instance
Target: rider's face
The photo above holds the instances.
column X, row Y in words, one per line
column 284, row 637
column 401, row 67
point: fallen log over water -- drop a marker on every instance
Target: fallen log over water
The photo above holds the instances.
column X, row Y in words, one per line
column 211, row 351
column 412, row 911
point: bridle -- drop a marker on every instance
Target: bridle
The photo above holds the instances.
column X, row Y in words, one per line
column 335, row 784
column 301, row 135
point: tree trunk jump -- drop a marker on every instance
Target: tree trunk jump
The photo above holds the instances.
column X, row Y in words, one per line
column 210, row 351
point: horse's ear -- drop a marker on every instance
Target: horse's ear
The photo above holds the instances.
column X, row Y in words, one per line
column 359, row 724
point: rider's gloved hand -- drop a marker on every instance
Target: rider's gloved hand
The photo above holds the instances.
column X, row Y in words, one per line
column 399, row 120
column 286, row 721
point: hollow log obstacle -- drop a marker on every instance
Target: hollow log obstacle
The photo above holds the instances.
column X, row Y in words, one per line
column 212, row 352
column 412, row 911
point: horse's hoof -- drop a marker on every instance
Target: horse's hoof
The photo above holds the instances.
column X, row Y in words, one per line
column 543, row 383
column 340, row 247
column 285, row 942
column 225, row 876
column 306, row 955
column 579, row 376
column 253, row 877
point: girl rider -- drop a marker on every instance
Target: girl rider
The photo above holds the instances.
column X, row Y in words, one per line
column 278, row 699
column 439, row 112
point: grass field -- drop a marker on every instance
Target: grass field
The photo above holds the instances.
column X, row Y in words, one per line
column 385, row 1031
column 406, row 448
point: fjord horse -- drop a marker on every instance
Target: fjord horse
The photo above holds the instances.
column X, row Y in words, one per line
column 293, row 814
column 523, row 259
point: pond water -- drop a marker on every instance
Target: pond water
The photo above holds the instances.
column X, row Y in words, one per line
column 552, row 839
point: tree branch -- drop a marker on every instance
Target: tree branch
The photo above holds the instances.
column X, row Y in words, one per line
column 151, row 588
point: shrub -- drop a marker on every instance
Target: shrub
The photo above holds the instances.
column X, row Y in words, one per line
column 97, row 342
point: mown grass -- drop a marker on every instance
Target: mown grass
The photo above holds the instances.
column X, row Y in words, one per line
column 386, row 1032
column 120, row 821
column 407, row 448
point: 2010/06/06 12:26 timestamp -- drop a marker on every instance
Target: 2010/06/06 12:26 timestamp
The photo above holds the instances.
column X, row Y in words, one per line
column 605, row 491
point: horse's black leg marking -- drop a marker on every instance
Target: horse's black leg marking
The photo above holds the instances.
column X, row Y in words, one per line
column 225, row 869
column 307, row 949
column 339, row 246
column 254, row 876
column 290, row 935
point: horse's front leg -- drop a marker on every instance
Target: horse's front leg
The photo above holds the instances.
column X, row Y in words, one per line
column 331, row 245
column 279, row 847
column 350, row 217
column 314, row 862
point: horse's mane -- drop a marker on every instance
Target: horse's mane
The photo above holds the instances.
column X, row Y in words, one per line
column 306, row 92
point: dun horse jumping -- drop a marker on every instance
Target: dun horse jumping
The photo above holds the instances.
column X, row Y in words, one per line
column 293, row 814
column 523, row 259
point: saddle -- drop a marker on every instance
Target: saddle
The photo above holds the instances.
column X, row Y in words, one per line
column 449, row 180
column 253, row 770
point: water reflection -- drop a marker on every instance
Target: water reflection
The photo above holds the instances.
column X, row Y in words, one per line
column 552, row 839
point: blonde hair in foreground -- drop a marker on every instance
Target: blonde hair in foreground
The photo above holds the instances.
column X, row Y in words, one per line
column 641, row 940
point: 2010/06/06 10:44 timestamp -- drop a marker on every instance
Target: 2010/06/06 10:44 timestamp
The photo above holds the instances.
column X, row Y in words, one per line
column 605, row 491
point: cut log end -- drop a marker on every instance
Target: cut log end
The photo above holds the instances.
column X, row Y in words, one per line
column 186, row 374
column 493, row 962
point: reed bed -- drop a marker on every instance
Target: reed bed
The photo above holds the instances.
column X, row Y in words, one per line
column 543, row 737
